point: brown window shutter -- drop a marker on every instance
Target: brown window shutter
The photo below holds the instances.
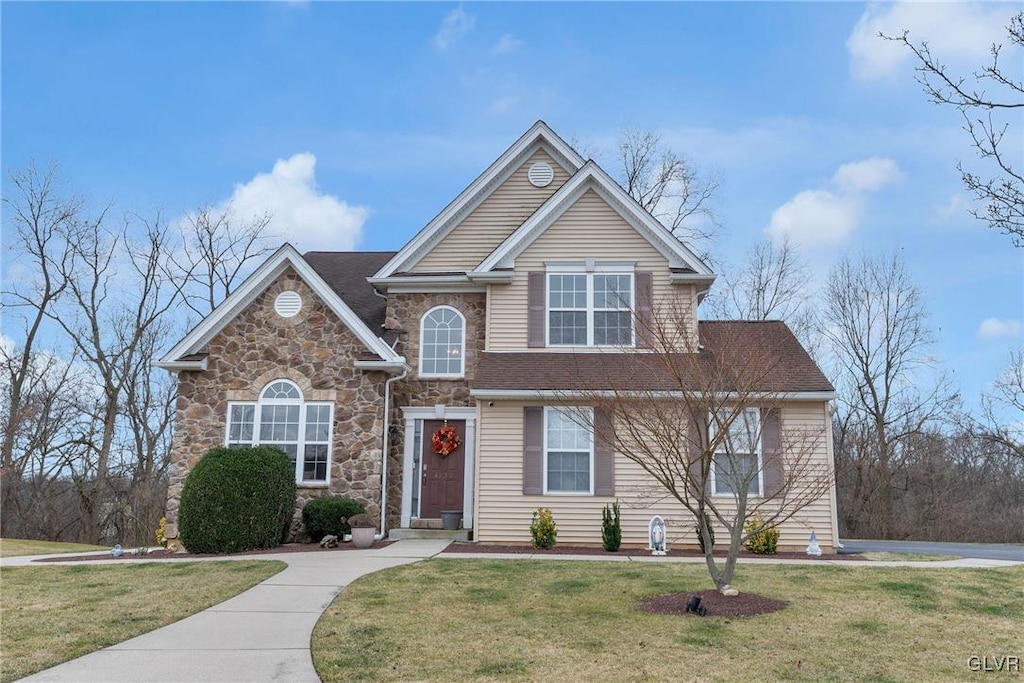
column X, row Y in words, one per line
column 533, row 451
column 771, row 452
column 644, row 283
column 535, row 296
column 604, row 453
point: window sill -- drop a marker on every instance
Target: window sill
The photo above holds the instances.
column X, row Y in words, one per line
column 313, row 484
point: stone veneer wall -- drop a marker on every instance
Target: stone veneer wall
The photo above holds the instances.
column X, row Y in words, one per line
column 315, row 350
column 404, row 313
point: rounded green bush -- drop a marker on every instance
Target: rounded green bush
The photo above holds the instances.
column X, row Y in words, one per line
column 328, row 514
column 237, row 499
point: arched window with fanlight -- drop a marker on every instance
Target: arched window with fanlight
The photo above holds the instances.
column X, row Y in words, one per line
column 442, row 343
column 281, row 418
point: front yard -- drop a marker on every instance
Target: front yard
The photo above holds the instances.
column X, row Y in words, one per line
column 547, row 620
column 52, row 614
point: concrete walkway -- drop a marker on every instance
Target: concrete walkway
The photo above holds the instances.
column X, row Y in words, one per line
column 262, row 634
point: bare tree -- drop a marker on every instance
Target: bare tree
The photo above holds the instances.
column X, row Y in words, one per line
column 877, row 328
column 994, row 90
column 773, row 283
column 219, row 247
column 1002, row 409
column 705, row 419
column 668, row 186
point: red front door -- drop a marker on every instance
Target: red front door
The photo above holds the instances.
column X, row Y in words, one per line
column 443, row 477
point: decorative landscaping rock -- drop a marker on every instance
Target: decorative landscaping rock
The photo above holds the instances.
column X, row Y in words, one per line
column 329, row 541
column 729, row 592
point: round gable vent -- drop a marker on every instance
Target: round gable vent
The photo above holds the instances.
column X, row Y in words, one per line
column 288, row 304
column 541, row 174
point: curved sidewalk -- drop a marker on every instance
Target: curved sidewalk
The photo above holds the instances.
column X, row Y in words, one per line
column 262, row 634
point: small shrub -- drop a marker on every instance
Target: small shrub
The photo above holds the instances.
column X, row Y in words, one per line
column 543, row 528
column 161, row 532
column 328, row 515
column 237, row 499
column 711, row 532
column 762, row 539
column 611, row 529
column 362, row 521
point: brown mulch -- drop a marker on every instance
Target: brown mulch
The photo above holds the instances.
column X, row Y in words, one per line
column 129, row 553
column 485, row 548
column 716, row 604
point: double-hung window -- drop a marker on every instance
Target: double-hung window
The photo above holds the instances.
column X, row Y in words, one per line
column 737, row 459
column 590, row 309
column 281, row 418
column 568, row 450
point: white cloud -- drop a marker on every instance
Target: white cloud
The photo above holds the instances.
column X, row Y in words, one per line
column 823, row 218
column 300, row 213
column 457, row 24
column 994, row 328
column 507, row 43
column 867, row 175
column 953, row 31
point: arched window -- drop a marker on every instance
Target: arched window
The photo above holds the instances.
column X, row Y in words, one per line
column 282, row 419
column 442, row 343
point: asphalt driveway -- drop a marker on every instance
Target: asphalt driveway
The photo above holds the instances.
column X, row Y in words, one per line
column 984, row 551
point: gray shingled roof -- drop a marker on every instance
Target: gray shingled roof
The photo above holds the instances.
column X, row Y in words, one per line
column 786, row 366
column 346, row 273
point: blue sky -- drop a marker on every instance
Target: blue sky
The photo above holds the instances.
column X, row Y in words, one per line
column 358, row 122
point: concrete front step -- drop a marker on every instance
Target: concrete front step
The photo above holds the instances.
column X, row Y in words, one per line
column 403, row 534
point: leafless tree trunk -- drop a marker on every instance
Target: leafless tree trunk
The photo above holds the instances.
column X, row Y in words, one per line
column 709, row 408
column 995, row 89
column 877, row 328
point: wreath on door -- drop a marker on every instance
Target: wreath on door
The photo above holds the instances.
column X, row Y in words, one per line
column 445, row 440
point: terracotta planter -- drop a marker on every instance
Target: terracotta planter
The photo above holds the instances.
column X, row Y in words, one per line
column 362, row 537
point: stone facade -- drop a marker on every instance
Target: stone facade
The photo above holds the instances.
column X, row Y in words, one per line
column 404, row 313
column 314, row 349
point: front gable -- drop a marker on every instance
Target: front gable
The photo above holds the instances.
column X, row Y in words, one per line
column 190, row 352
column 538, row 139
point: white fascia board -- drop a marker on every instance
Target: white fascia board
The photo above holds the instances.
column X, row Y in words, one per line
column 554, row 394
column 181, row 365
column 392, row 367
column 539, row 135
column 254, row 285
column 415, row 284
column 491, row 276
column 691, row 279
column 591, row 176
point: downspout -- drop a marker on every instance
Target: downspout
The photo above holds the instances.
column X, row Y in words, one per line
column 386, row 445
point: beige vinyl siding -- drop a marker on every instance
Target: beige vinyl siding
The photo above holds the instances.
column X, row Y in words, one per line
column 494, row 220
column 588, row 229
column 503, row 513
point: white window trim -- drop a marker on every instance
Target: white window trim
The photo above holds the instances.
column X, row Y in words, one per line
column 713, row 425
column 589, row 270
column 589, row 412
column 300, row 451
column 462, row 348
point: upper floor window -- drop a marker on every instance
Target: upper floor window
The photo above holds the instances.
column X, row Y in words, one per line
column 737, row 461
column 442, row 343
column 590, row 309
column 282, row 419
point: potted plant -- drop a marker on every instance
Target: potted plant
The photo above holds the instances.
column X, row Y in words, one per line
column 363, row 530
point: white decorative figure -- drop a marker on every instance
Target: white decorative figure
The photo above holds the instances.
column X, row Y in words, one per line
column 656, row 536
column 814, row 548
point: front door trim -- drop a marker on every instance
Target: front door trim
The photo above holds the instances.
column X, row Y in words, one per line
column 439, row 412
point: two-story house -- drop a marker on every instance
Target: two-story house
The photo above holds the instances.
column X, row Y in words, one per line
column 535, row 278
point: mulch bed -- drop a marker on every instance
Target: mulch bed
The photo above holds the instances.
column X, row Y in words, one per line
column 129, row 553
column 485, row 548
column 716, row 604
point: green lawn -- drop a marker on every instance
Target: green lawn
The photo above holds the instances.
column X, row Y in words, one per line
column 547, row 620
column 13, row 547
column 55, row 613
